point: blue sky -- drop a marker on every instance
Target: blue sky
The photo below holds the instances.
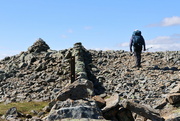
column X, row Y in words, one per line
column 98, row 24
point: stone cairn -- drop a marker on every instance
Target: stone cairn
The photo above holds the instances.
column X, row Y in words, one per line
column 89, row 94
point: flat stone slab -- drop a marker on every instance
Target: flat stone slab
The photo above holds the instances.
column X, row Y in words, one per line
column 111, row 102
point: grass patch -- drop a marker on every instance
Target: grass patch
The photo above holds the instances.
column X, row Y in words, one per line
column 23, row 107
column 176, row 111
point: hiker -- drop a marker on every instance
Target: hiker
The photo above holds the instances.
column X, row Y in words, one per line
column 137, row 41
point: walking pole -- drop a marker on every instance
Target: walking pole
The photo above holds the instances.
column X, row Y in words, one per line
column 148, row 49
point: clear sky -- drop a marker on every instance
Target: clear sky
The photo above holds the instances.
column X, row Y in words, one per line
column 98, row 24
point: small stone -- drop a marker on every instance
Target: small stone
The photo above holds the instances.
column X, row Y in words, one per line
column 173, row 98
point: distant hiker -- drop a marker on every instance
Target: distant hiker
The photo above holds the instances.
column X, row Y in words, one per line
column 137, row 41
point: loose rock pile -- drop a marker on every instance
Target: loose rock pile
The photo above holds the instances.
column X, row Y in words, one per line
column 33, row 75
column 42, row 74
column 114, row 69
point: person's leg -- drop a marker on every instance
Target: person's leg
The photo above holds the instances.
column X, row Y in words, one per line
column 138, row 59
column 137, row 54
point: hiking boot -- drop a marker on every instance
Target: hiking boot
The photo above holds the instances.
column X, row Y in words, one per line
column 135, row 66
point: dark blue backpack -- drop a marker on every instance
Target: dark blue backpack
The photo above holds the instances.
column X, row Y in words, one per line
column 137, row 41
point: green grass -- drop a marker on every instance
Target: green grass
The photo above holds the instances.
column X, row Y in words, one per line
column 23, row 107
column 176, row 111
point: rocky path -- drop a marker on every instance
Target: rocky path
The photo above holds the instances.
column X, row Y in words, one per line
column 149, row 84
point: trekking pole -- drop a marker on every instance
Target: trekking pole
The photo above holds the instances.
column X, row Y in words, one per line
column 148, row 49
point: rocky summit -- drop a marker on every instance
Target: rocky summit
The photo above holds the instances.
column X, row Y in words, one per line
column 85, row 85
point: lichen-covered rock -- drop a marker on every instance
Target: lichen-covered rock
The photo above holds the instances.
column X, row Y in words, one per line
column 75, row 109
column 12, row 113
column 80, row 89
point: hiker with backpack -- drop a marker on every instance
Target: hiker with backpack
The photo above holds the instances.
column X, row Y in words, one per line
column 138, row 42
